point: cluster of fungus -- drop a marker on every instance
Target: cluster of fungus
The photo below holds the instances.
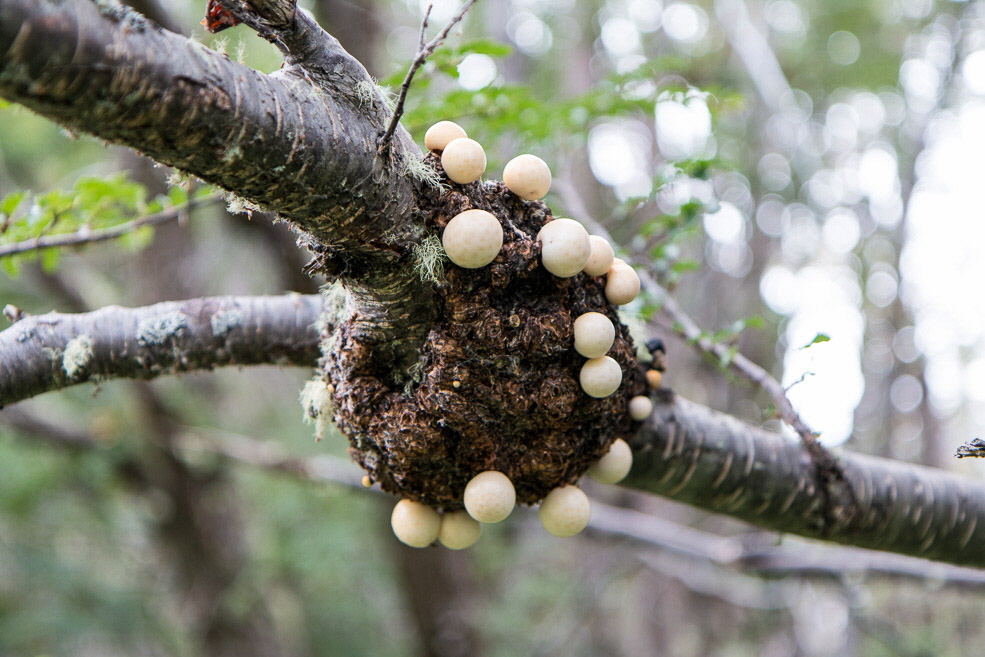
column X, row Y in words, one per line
column 527, row 380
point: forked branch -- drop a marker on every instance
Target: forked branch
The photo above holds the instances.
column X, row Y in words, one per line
column 424, row 50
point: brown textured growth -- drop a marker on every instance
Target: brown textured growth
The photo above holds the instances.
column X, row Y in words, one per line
column 497, row 387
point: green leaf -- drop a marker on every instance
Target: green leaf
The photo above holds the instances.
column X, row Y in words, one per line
column 819, row 338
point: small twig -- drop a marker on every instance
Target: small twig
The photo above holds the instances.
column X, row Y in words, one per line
column 86, row 236
column 424, row 50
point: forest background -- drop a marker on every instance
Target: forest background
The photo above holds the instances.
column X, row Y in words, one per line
column 802, row 175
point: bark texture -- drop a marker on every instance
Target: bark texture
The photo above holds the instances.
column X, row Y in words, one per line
column 713, row 461
column 41, row 353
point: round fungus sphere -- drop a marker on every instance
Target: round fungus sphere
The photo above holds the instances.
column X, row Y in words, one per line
column 600, row 377
column 600, row 257
column 415, row 524
column 640, row 407
column 565, row 247
column 565, row 511
column 458, row 530
column 490, row 497
column 615, row 465
column 473, row 238
column 594, row 334
column 463, row 160
column 622, row 283
column 527, row 176
column 654, row 378
column 441, row 134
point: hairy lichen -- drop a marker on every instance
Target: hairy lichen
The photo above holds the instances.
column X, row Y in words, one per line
column 77, row 356
column 424, row 172
column 316, row 405
column 429, row 259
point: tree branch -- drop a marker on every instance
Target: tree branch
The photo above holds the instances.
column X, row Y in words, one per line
column 87, row 236
column 713, row 461
column 301, row 142
column 424, row 50
column 49, row 352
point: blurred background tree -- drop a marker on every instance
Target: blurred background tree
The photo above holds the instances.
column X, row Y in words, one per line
column 801, row 168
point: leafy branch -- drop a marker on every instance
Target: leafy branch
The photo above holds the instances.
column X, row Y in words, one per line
column 86, row 235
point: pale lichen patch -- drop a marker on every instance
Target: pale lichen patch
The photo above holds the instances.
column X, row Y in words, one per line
column 224, row 321
column 77, row 356
column 161, row 329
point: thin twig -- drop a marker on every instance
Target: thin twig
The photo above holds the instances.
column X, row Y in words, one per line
column 687, row 328
column 424, row 50
column 89, row 236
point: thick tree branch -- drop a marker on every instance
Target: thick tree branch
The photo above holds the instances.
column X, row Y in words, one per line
column 49, row 352
column 301, row 142
column 713, row 461
column 685, row 451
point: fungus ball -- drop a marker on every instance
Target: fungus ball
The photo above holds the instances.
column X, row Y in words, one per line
column 458, row 530
column 640, row 407
column 441, row 134
column 473, row 238
column 615, row 465
column 415, row 524
column 527, row 176
column 600, row 257
column 600, row 377
column 594, row 334
column 654, row 378
column 622, row 283
column 565, row 511
column 490, row 496
column 565, row 247
column 463, row 160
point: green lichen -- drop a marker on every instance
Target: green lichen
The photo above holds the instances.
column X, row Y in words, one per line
column 429, row 259
column 77, row 356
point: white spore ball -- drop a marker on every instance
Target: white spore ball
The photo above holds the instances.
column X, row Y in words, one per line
column 473, row 238
column 527, row 176
column 415, row 524
column 615, row 465
column 600, row 377
column 640, row 407
column 458, row 530
column 622, row 283
column 565, row 511
column 594, row 334
column 463, row 160
column 490, row 497
column 600, row 257
column 441, row 134
column 564, row 247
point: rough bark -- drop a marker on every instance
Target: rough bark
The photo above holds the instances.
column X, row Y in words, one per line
column 715, row 462
column 48, row 352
